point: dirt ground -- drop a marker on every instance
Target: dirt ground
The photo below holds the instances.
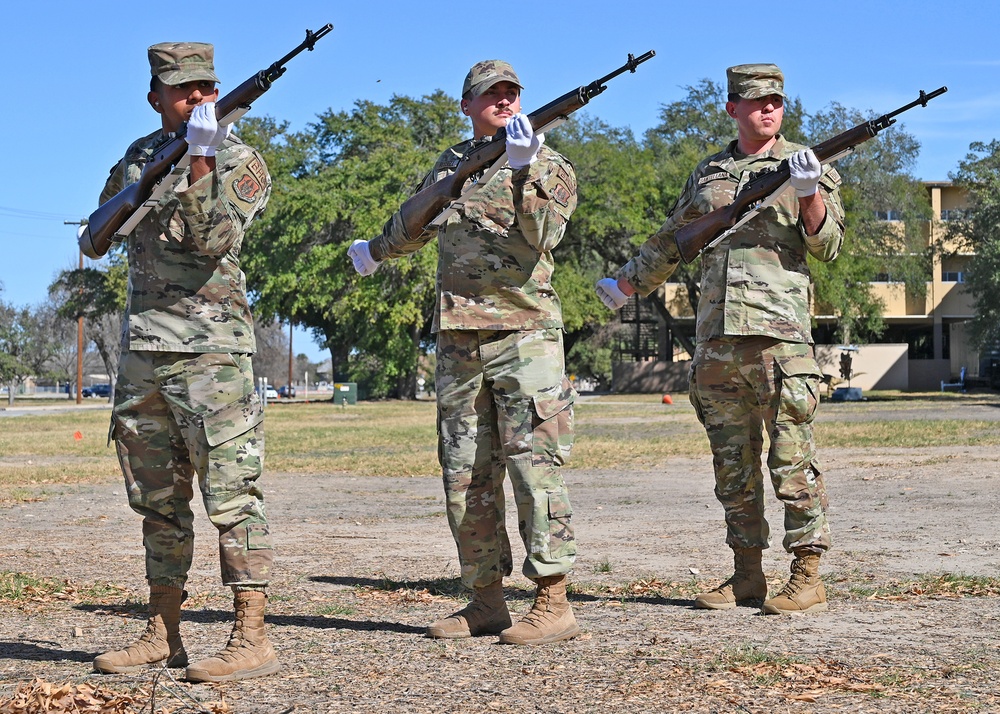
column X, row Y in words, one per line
column 364, row 564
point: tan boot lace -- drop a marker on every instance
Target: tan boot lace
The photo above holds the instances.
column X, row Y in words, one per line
column 539, row 609
column 797, row 581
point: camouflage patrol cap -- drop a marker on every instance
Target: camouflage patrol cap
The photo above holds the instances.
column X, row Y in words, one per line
column 179, row 62
column 753, row 81
column 485, row 74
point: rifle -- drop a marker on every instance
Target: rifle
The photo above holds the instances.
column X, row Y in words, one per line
column 423, row 210
column 762, row 190
column 119, row 215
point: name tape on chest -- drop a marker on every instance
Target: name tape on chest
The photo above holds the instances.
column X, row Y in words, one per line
column 712, row 177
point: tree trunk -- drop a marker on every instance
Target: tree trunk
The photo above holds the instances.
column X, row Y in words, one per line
column 406, row 385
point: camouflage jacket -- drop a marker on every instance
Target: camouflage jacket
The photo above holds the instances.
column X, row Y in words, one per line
column 756, row 281
column 186, row 290
column 495, row 254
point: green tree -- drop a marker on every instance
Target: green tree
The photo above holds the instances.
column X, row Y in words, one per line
column 338, row 181
column 26, row 345
column 979, row 233
column 98, row 296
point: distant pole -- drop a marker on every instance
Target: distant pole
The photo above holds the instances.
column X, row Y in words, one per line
column 79, row 325
column 291, row 329
column 79, row 351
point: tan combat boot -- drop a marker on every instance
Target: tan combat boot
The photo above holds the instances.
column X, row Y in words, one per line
column 747, row 586
column 161, row 640
column 550, row 618
column 804, row 591
column 486, row 614
column 248, row 653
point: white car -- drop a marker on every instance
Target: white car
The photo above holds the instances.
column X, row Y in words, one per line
column 270, row 392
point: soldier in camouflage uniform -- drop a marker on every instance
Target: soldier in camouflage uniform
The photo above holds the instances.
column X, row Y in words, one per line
column 184, row 400
column 753, row 367
column 504, row 402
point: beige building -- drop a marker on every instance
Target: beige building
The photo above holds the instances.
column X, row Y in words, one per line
column 923, row 346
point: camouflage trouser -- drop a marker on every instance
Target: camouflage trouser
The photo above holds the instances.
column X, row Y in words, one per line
column 739, row 387
column 177, row 414
column 504, row 403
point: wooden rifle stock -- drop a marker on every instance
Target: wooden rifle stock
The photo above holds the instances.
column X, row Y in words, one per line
column 117, row 216
column 705, row 231
column 423, row 207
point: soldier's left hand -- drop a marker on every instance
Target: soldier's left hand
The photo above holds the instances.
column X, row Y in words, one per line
column 361, row 256
column 610, row 294
column 204, row 134
column 522, row 142
column 805, row 170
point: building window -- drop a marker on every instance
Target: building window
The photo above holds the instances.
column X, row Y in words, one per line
column 954, row 214
column 951, row 276
column 890, row 215
column 919, row 340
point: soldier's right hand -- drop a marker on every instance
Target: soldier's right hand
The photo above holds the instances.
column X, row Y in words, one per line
column 610, row 294
column 522, row 142
column 804, row 169
column 362, row 256
column 203, row 134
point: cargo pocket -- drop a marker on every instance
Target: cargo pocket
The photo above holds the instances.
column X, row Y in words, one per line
column 559, row 506
column 561, row 541
column 258, row 536
column 232, row 420
column 552, row 432
column 699, row 410
column 800, row 380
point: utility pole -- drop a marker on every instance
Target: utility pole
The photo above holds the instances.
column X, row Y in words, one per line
column 291, row 373
column 79, row 322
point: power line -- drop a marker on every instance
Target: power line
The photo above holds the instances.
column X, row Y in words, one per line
column 32, row 215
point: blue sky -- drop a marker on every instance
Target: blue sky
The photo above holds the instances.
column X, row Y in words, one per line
column 76, row 77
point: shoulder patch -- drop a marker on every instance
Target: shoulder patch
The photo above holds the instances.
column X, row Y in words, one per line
column 560, row 194
column 247, row 188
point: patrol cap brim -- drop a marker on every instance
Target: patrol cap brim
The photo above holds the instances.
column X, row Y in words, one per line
column 181, row 76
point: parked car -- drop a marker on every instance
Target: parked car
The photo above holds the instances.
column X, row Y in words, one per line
column 287, row 391
column 270, row 392
column 97, row 390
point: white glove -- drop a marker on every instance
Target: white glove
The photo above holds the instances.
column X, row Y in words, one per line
column 362, row 256
column 805, row 169
column 610, row 294
column 204, row 135
column 522, row 142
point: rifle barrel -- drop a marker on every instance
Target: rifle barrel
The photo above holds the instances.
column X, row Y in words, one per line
column 597, row 86
column 276, row 69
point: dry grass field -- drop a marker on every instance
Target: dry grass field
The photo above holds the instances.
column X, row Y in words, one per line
column 365, row 561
